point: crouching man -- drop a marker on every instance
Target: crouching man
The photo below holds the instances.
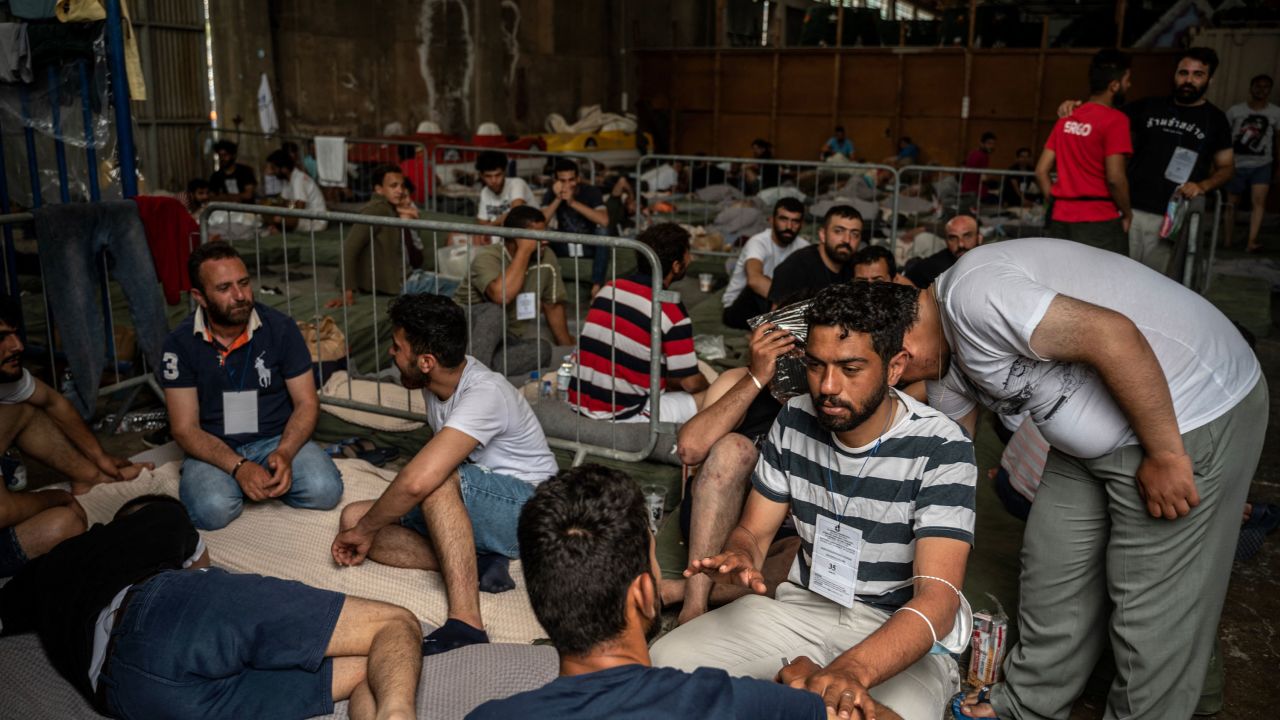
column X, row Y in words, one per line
column 131, row 614
column 881, row 489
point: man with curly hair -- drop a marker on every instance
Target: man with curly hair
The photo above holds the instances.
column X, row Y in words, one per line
column 612, row 378
column 881, row 490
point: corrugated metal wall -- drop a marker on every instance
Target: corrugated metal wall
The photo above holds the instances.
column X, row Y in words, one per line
column 171, row 38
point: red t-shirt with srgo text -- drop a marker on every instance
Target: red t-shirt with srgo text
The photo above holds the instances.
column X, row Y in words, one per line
column 1081, row 143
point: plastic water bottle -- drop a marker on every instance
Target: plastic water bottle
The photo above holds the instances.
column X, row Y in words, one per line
column 564, row 376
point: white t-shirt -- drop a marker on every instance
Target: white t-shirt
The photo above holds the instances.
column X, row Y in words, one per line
column 302, row 187
column 993, row 298
column 758, row 247
column 660, row 179
column 495, row 205
column 489, row 409
column 17, row 391
column 1252, row 134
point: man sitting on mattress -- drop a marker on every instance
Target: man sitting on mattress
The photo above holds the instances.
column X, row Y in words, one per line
column 242, row 400
column 44, row 425
column 463, row 491
column 131, row 614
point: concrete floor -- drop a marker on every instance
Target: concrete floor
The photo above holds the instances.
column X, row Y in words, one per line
column 1251, row 618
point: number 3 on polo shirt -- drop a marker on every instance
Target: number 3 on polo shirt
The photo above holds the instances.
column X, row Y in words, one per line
column 834, row 574
column 240, row 412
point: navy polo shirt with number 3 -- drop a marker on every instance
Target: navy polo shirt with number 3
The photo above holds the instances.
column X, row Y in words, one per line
column 275, row 353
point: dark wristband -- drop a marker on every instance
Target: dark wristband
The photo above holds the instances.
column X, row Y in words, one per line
column 236, row 469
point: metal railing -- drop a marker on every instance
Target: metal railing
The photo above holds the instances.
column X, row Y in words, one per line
column 455, row 164
column 363, row 155
column 352, row 226
column 142, row 379
column 943, row 188
column 864, row 185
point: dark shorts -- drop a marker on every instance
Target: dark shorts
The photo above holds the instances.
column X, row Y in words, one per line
column 12, row 556
column 208, row 643
column 1245, row 178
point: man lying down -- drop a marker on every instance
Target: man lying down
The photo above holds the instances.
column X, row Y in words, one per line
column 133, row 616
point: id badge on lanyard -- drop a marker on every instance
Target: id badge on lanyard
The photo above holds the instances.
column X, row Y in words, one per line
column 240, row 406
column 834, row 574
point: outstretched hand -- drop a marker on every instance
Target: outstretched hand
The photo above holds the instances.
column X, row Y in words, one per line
column 351, row 546
column 730, row 568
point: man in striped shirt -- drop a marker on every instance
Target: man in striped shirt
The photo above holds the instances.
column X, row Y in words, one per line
column 881, row 489
column 612, row 378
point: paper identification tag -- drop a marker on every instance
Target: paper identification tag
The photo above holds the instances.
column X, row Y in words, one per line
column 240, row 412
column 834, row 574
column 231, row 186
column 1181, row 165
column 575, row 250
column 526, row 304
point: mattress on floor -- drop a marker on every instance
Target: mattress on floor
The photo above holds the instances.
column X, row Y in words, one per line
column 450, row 686
column 274, row 539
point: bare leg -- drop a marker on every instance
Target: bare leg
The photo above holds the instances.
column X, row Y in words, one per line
column 390, row 637
column 453, row 541
column 557, row 320
column 721, row 487
column 39, row 534
column 37, row 435
column 1258, row 196
column 393, row 545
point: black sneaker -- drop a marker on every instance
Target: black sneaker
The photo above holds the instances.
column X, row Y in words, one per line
column 157, row 438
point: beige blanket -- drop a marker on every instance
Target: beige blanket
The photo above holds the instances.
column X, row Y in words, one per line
column 275, row 539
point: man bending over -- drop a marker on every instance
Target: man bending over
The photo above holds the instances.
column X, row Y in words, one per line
column 131, row 614
column 46, row 427
column 592, row 572
column 881, row 489
column 464, row 489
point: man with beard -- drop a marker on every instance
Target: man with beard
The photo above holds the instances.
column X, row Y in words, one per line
column 963, row 235
column 1254, row 125
column 881, row 490
column 592, row 572
column 829, row 262
column 463, row 491
column 298, row 190
column 612, row 376
column 242, row 400
column 45, row 426
column 1089, row 147
column 752, row 276
column 1181, row 144
column 1156, row 411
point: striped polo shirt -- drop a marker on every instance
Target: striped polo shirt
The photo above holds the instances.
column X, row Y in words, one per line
column 612, row 376
column 920, row 482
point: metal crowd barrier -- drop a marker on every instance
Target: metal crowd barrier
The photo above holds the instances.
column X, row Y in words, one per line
column 942, row 187
column 455, row 164
column 363, row 156
column 145, row 378
column 315, row 310
column 815, row 180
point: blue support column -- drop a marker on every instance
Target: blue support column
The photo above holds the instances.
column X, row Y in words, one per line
column 90, row 146
column 59, row 149
column 120, row 99
column 29, row 134
column 10, row 255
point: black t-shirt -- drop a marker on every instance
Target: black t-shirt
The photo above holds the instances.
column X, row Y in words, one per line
column 635, row 692
column 760, row 415
column 233, row 182
column 1159, row 127
column 570, row 220
column 59, row 595
column 923, row 273
column 804, row 275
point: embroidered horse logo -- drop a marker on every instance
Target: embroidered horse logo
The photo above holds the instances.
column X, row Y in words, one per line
column 264, row 375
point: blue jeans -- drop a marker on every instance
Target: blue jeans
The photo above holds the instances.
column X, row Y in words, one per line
column 425, row 281
column 208, row 643
column 71, row 237
column 214, row 498
column 493, row 501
